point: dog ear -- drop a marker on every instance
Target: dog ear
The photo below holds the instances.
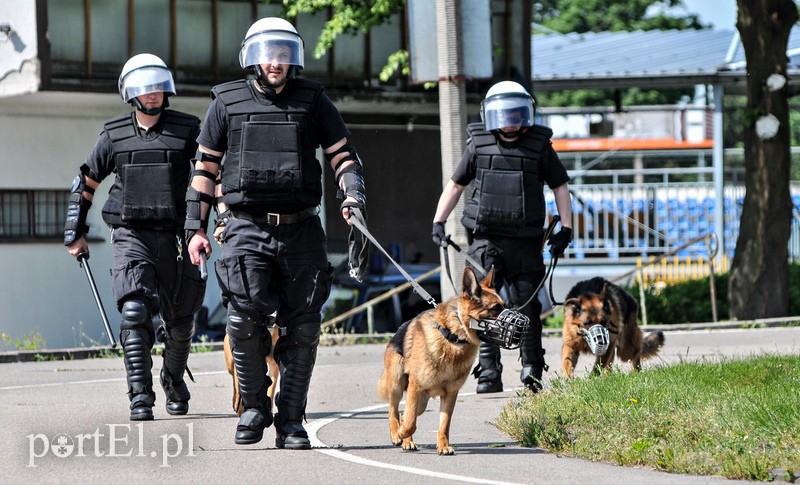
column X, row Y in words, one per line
column 602, row 294
column 469, row 283
column 488, row 280
column 573, row 305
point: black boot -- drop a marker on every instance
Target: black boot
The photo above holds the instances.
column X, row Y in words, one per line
column 249, row 359
column 489, row 370
column 532, row 356
column 177, row 345
column 531, row 376
column 138, row 368
column 297, row 365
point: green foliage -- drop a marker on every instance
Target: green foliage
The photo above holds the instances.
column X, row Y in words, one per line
column 737, row 418
column 581, row 16
column 599, row 97
column 611, row 15
column 32, row 341
column 397, row 63
column 349, row 17
column 690, row 301
column 204, row 345
column 686, row 302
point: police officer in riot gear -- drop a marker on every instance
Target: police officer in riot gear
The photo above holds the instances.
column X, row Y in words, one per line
column 274, row 255
column 506, row 163
column 149, row 151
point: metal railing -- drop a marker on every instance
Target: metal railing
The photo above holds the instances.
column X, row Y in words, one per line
column 623, row 219
column 331, row 325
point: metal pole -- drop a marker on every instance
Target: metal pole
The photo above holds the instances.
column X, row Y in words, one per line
column 83, row 260
column 452, row 114
column 719, row 175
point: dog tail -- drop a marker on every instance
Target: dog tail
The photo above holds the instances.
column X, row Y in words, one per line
column 392, row 379
column 652, row 343
column 382, row 389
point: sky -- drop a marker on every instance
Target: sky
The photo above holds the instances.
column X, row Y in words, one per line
column 721, row 13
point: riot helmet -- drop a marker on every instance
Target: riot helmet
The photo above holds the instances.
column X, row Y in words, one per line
column 145, row 74
column 507, row 104
column 272, row 40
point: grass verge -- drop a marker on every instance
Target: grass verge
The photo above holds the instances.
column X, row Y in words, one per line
column 739, row 419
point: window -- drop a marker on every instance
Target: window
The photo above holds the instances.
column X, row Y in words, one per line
column 32, row 214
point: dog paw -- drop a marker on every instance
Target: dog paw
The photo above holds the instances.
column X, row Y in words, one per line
column 409, row 445
column 445, row 450
column 396, row 441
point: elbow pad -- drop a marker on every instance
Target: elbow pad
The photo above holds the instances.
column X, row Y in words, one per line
column 353, row 180
column 78, row 206
column 195, row 219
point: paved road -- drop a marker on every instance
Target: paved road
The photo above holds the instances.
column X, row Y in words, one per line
column 83, row 403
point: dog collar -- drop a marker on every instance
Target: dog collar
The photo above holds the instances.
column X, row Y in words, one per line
column 446, row 333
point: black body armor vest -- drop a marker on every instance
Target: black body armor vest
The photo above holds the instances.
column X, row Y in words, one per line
column 270, row 161
column 507, row 198
column 152, row 174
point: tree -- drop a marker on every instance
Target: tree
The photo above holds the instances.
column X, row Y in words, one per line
column 758, row 286
column 582, row 16
column 611, row 15
column 350, row 17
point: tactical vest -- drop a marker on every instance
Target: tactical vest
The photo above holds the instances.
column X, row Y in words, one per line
column 152, row 174
column 507, row 198
column 270, row 160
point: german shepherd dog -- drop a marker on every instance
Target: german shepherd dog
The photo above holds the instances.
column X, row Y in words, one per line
column 598, row 301
column 238, row 407
column 431, row 355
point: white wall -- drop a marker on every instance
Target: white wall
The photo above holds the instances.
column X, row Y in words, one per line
column 45, row 138
column 19, row 65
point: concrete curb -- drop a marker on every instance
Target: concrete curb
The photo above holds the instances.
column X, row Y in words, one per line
column 332, row 340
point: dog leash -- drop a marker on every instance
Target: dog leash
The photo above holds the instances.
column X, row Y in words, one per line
column 548, row 274
column 358, row 220
column 475, row 264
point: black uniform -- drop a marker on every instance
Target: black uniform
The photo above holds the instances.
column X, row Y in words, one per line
column 152, row 272
column 274, row 255
column 504, row 215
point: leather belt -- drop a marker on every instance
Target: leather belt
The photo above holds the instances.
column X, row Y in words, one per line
column 274, row 219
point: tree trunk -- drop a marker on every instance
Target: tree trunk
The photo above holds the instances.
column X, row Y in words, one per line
column 758, row 286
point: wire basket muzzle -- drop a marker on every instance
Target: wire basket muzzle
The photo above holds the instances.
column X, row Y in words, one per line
column 507, row 330
column 597, row 338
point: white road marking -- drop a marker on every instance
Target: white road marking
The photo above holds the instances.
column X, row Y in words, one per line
column 320, row 447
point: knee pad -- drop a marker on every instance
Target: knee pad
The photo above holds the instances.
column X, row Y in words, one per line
column 521, row 290
column 305, row 335
column 242, row 324
column 180, row 331
column 135, row 314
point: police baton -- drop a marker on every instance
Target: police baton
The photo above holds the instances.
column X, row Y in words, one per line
column 83, row 260
column 203, row 266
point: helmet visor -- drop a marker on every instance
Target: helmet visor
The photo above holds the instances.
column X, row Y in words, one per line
column 271, row 47
column 146, row 80
column 507, row 111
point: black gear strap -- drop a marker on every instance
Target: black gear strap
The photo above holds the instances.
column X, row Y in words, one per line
column 78, row 206
column 352, row 155
column 209, row 158
column 204, row 173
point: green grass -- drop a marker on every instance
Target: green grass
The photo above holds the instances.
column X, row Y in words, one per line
column 739, row 419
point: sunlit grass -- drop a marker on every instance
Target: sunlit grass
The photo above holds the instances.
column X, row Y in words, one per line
column 738, row 418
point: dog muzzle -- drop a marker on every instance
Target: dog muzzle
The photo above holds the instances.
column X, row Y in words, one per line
column 597, row 339
column 506, row 330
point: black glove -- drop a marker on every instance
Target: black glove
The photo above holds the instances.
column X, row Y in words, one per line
column 357, row 247
column 438, row 235
column 559, row 241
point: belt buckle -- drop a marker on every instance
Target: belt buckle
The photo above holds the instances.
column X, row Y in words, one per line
column 273, row 219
